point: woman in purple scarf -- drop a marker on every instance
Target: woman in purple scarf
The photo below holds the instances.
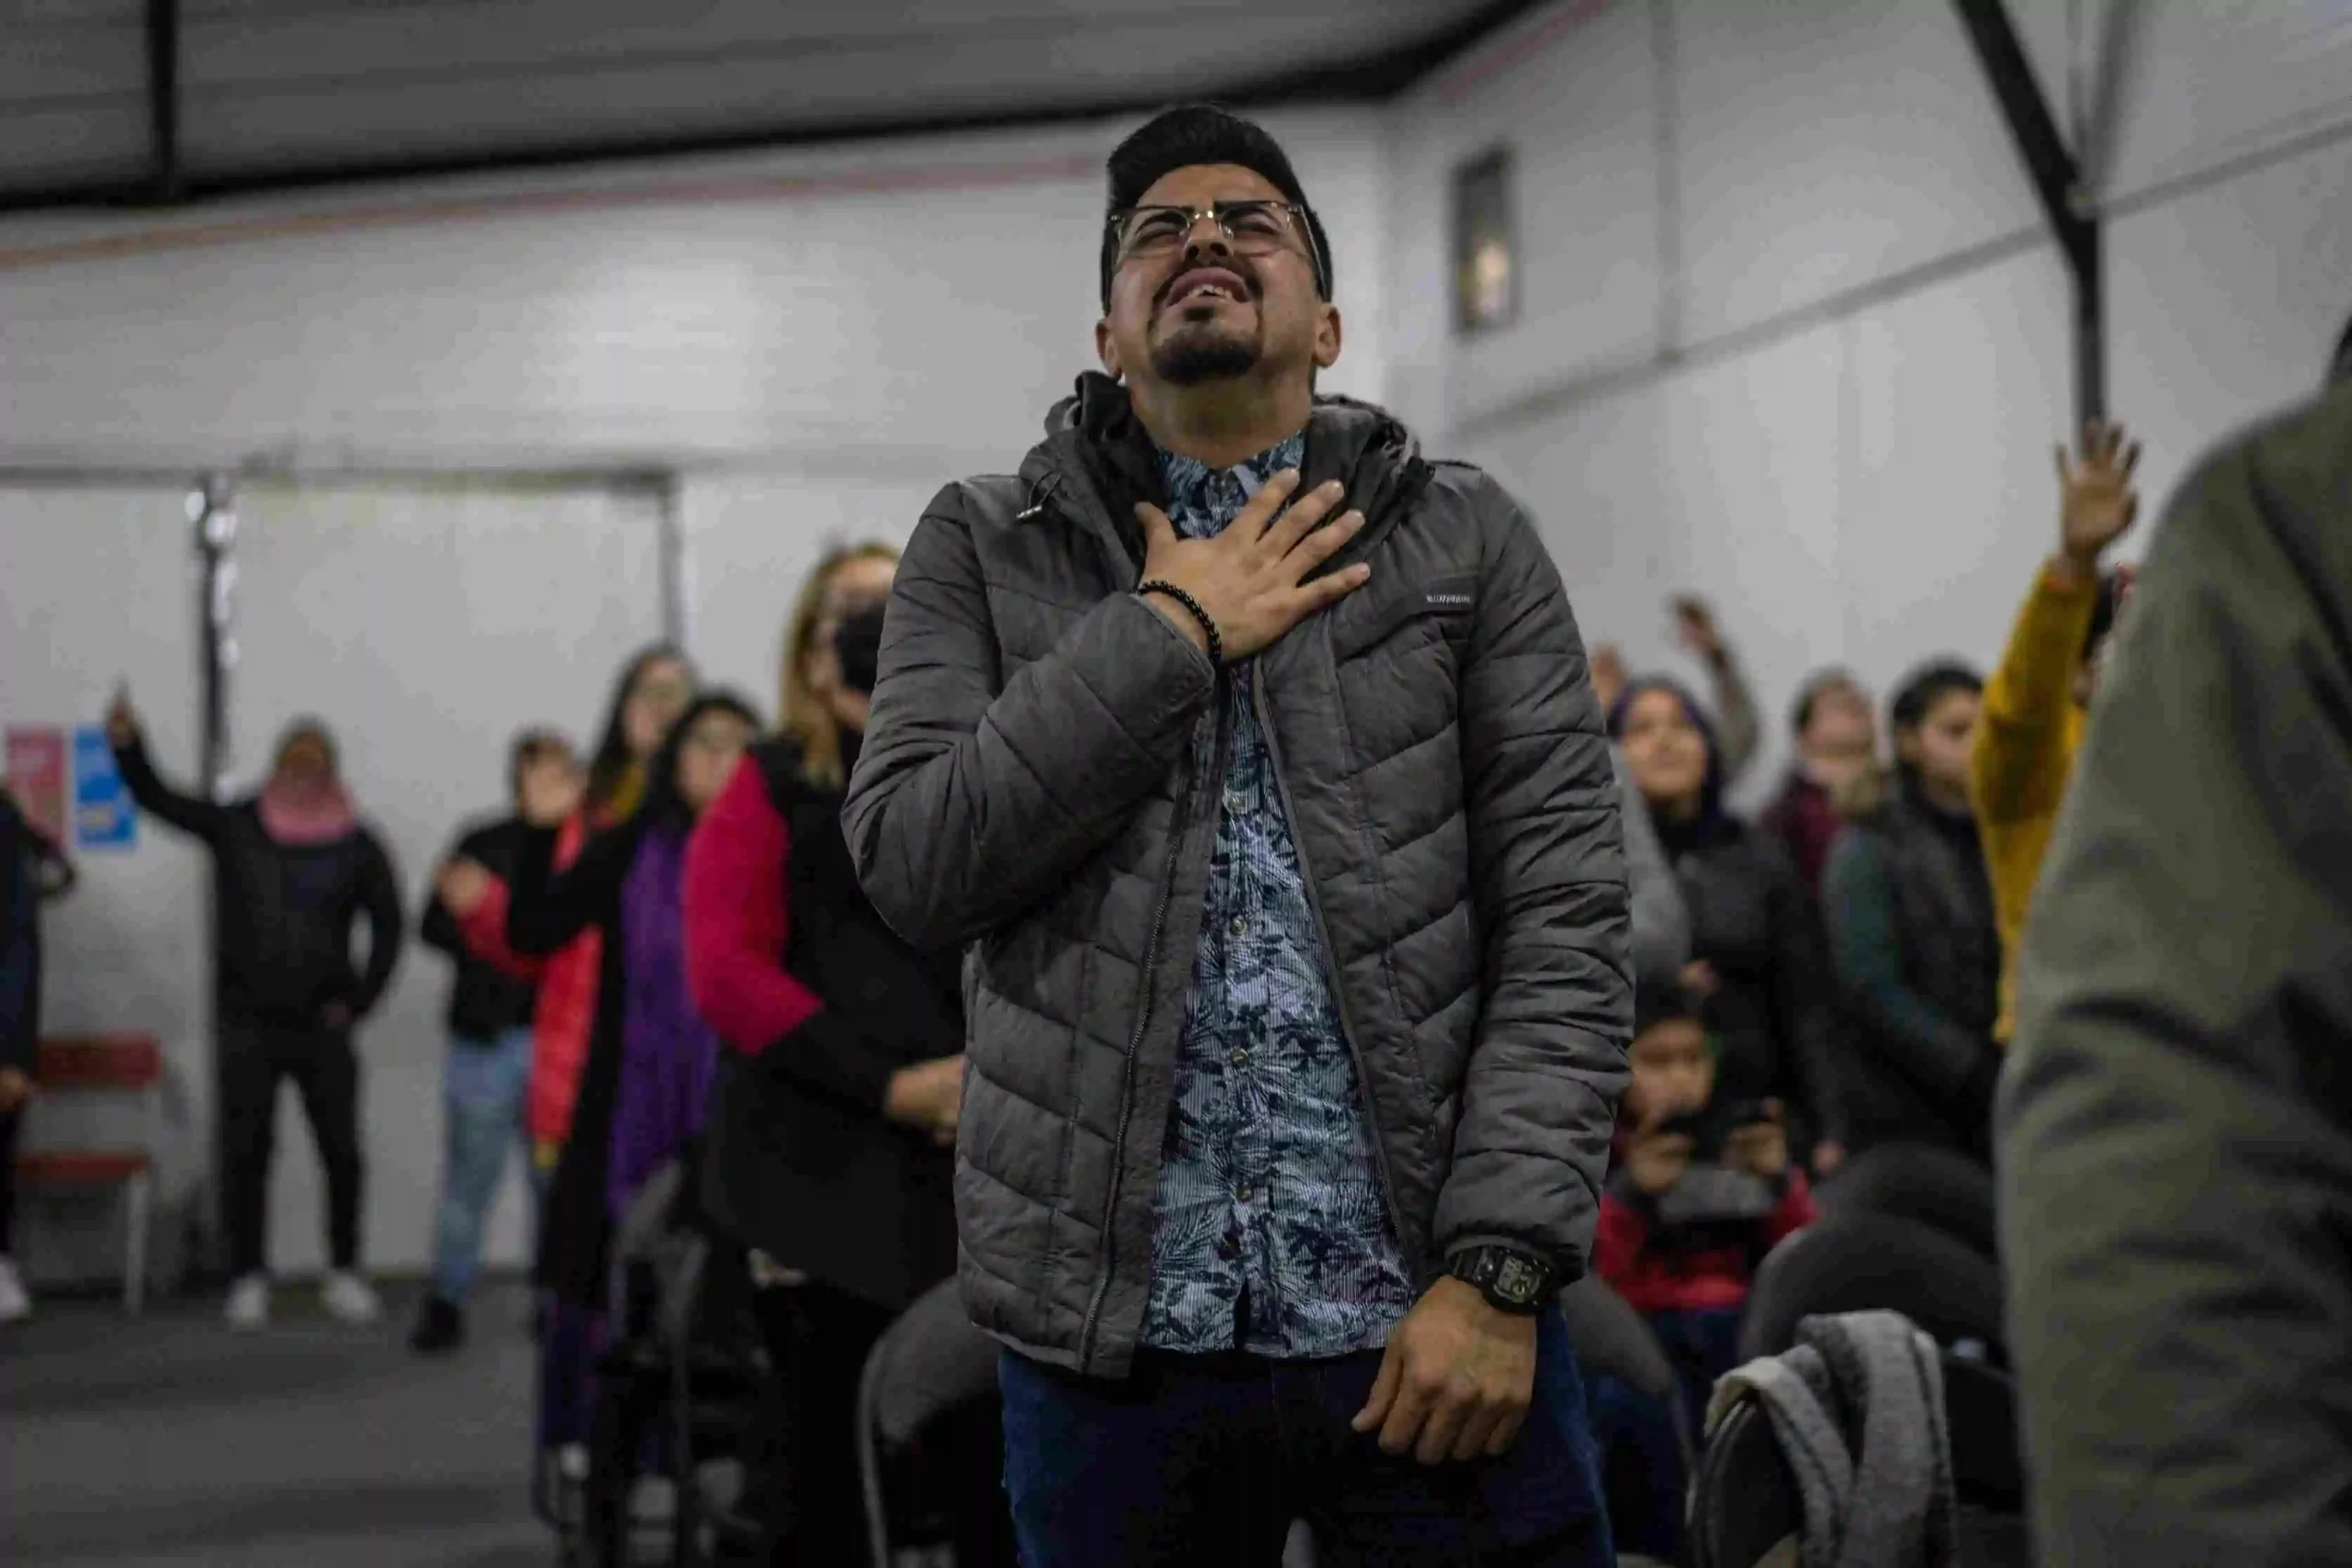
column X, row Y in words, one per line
column 650, row 1057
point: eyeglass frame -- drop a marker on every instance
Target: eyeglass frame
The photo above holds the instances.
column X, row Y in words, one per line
column 1302, row 218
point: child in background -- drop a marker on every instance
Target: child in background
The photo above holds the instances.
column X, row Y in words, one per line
column 1697, row 1194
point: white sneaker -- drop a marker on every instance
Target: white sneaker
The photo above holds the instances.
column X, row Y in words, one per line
column 249, row 1303
column 349, row 1298
column 14, row 1304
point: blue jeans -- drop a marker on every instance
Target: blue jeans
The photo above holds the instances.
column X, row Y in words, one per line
column 1207, row 1459
column 481, row 1095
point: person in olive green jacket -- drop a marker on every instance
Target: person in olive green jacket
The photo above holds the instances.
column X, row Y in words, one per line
column 2036, row 701
column 2176, row 1121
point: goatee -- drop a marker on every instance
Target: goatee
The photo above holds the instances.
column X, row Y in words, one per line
column 1191, row 358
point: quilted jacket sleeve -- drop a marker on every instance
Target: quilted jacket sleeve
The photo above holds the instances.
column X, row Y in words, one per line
column 976, row 794
column 2176, row 1120
column 1548, row 868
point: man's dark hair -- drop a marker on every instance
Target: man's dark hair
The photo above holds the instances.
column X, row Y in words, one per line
column 1817, row 686
column 1928, row 685
column 1186, row 137
column 2339, row 368
column 1663, row 1000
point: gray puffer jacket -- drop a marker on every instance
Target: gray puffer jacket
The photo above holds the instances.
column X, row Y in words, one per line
column 1039, row 782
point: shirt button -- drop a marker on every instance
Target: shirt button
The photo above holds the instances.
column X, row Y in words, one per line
column 1240, row 926
column 1236, row 802
column 1243, row 1193
column 1239, row 1058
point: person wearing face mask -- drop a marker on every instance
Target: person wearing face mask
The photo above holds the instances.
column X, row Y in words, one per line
column 839, row 1091
column 295, row 873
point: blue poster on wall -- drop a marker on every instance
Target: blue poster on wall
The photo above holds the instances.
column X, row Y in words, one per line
column 104, row 815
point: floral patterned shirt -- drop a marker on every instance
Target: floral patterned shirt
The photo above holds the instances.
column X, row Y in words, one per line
column 1270, row 1232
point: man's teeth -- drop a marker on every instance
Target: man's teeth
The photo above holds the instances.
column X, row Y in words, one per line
column 1217, row 290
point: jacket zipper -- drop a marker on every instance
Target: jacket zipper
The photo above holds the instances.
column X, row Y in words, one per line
column 1180, row 832
column 1338, row 991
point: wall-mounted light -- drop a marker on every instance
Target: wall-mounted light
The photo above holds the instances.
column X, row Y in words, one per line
column 1486, row 271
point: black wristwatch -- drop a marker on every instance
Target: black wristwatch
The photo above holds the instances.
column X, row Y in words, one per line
column 1511, row 1281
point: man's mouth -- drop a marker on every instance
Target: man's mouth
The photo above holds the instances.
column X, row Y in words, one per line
column 1206, row 283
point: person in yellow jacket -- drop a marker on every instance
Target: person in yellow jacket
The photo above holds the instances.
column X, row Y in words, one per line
column 2035, row 702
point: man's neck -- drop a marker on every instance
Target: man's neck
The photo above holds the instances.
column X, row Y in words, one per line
column 1222, row 423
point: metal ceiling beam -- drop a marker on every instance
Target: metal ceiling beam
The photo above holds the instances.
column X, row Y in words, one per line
column 1366, row 79
column 163, row 99
column 2066, row 205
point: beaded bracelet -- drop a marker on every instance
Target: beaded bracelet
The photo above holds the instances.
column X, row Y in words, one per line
column 1216, row 643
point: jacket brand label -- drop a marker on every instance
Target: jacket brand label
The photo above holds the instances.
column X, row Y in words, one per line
column 1450, row 601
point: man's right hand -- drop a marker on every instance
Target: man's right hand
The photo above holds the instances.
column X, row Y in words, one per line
column 122, row 723
column 2096, row 501
column 462, row 886
column 928, row 1096
column 1249, row 578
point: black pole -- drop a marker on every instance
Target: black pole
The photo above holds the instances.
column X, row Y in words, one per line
column 163, row 97
column 2057, row 182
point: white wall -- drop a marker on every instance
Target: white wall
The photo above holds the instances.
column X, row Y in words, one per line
column 1791, row 333
column 96, row 586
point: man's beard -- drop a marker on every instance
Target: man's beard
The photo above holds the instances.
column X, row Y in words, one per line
column 1194, row 356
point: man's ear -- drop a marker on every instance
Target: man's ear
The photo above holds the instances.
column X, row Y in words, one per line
column 1106, row 349
column 1329, row 335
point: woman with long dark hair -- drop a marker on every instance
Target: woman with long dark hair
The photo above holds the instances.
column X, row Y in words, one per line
column 654, row 688
column 830, row 1134
column 1756, row 954
column 649, row 1056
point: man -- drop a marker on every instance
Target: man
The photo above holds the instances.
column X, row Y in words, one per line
column 2175, row 1122
column 2035, row 703
column 1837, row 737
column 489, row 1065
column 1256, row 758
column 295, row 873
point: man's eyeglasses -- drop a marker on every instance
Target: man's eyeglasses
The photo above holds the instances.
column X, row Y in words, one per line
column 1252, row 228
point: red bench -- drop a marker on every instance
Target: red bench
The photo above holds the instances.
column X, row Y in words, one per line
column 108, row 1064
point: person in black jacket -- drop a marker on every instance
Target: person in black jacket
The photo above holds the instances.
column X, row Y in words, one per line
column 295, row 872
column 1757, row 959
column 489, row 1067
column 1910, row 908
column 33, row 870
column 832, row 1125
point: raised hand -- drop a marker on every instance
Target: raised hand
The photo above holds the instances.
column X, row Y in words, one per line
column 122, row 721
column 1694, row 623
column 1250, row 578
column 2096, row 501
column 1609, row 677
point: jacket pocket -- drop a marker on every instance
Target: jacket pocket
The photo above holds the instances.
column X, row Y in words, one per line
column 1365, row 620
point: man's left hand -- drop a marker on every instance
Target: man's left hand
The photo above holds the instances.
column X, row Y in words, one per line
column 1456, row 1380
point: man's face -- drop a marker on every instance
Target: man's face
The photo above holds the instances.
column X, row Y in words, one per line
column 305, row 760
column 1203, row 311
column 1944, row 744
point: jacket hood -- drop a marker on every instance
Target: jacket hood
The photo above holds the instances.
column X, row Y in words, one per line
column 1098, row 457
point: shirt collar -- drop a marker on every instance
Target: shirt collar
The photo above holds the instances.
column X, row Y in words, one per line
column 1191, row 483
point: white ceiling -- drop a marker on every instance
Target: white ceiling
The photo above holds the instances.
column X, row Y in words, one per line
column 279, row 90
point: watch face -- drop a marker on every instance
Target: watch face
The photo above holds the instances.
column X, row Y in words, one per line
column 1518, row 1281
